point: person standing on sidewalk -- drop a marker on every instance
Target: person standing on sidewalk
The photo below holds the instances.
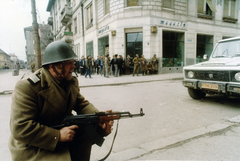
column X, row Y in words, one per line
column 127, row 65
column 82, row 65
column 88, row 66
column 115, row 64
column 101, row 64
column 120, row 65
column 143, row 65
column 33, row 67
column 136, row 61
column 106, row 64
column 154, row 64
column 43, row 100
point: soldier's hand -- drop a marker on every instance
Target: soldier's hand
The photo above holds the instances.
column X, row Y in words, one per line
column 67, row 133
column 107, row 126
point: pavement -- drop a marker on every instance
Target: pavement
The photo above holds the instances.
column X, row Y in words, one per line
column 152, row 150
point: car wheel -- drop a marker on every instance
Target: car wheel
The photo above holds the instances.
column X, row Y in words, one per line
column 196, row 94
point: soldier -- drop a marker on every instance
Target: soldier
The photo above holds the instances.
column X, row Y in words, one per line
column 143, row 65
column 154, row 64
column 43, row 100
column 149, row 68
column 32, row 67
column 136, row 61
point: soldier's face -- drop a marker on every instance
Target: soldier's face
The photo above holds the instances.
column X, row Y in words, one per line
column 68, row 69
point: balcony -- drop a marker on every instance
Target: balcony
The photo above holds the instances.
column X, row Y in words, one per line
column 66, row 15
column 205, row 16
column 229, row 19
column 67, row 37
column 50, row 21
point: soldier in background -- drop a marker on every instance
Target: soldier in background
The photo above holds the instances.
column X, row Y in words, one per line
column 33, row 67
column 154, row 64
column 136, row 61
column 143, row 65
column 127, row 65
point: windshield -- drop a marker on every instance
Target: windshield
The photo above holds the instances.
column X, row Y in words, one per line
column 227, row 49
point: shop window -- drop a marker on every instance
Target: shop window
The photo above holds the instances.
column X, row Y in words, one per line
column 89, row 11
column 132, row 3
column 168, row 3
column 134, row 45
column 229, row 11
column 204, row 46
column 103, row 45
column 89, row 48
column 107, row 6
column 206, row 9
column 173, row 49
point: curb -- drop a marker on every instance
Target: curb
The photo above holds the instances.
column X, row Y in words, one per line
column 173, row 141
column 6, row 92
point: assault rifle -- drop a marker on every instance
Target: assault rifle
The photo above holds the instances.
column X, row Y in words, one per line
column 89, row 121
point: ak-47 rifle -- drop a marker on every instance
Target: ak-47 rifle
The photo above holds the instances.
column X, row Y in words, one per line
column 89, row 121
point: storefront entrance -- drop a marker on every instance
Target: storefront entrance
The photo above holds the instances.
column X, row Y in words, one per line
column 134, row 45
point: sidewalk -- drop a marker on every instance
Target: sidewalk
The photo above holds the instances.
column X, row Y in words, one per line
column 8, row 81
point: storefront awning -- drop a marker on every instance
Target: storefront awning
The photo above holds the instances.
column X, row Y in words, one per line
column 211, row 6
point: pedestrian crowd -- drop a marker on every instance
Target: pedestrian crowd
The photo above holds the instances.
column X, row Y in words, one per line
column 116, row 66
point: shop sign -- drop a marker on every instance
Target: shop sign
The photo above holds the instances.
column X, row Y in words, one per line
column 173, row 23
column 103, row 29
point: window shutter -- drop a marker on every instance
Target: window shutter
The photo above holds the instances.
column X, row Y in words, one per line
column 200, row 6
column 132, row 3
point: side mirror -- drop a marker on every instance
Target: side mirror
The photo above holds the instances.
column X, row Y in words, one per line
column 205, row 56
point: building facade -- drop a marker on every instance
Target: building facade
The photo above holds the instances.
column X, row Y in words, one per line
column 179, row 32
column 5, row 61
column 45, row 38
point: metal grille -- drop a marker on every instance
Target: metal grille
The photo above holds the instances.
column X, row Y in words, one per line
column 211, row 75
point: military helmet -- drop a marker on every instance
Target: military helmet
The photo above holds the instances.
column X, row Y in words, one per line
column 57, row 51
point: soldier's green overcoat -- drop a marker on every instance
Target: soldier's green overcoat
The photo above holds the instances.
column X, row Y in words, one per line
column 37, row 105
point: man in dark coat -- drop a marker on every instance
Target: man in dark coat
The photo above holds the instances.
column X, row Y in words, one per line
column 82, row 65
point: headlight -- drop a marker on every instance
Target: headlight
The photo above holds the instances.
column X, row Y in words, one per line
column 237, row 76
column 190, row 74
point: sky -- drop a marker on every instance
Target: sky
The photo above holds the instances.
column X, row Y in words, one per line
column 15, row 16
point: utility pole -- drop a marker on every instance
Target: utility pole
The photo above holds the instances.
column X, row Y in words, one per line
column 36, row 39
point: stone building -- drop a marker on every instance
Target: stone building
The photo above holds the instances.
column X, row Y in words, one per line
column 179, row 32
column 5, row 61
column 45, row 39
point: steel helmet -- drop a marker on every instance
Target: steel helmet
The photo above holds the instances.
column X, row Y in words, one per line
column 57, row 51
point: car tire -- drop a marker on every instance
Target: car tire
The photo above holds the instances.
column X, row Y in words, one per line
column 196, row 94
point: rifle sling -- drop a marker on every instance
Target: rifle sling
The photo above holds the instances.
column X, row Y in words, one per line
column 112, row 144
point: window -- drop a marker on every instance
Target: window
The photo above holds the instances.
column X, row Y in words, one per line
column 89, row 15
column 132, row 3
column 204, row 46
column 229, row 8
column 168, row 3
column 206, row 7
column 89, row 48
column 173, row 49
column 107, row 6
column 75, row 26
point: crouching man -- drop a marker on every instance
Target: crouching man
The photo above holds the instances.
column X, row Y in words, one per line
column 43, row 100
